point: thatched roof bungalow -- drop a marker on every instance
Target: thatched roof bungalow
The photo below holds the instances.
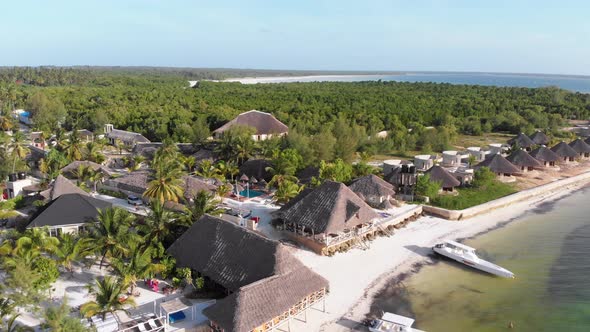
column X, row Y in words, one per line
column 581, row 148
column 128, row 138
column 61, row 186
column 447, row 180
column 134, row 182
column 545, row 156
column 372, row 189
column 193, row 185
column 539, row 138
column 70, row 170
column 522, row 141
column 265, row 282
column 266, row 125
column 499, row 165
column 523, row 160
column 564, row 151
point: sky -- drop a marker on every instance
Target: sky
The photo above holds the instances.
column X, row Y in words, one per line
column 518, row 36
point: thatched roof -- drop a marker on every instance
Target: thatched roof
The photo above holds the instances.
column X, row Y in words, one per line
column 136, row 182
column 523, row 159
column 256, row 168
column 305, row 175
column 441, row 175
column 543, row 153
column 62, row 186
column 127, row 136
column 73, row 167
column 580, row 146
column 563, row 150
column 85, row 133
column 372, row 185
column 69, row 209
column 264, row 123
column 498, row 164
column 147, row 149
column 540, row 138
column 192, row 185
column 522, row 141
column 587, row 141
column 329, row 208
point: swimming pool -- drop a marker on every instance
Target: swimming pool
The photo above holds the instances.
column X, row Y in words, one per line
column 251, row 193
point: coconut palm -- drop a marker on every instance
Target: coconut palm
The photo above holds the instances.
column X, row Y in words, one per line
column 72, row 249
column 18, row 148
column 73, row 147
column 93, row 152
column 5, row 123
column 286, row 191
column 156, row 227
column 36, row 239
column 208, row 170
column 189, row 163
column 138, row 266
column 111, row 233
column 202, row 203
column 108, row 298
column 167, row 183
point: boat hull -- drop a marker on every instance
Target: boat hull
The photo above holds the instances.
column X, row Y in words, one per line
column 478, row 263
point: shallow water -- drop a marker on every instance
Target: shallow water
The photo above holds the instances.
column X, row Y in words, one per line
column 549, row 251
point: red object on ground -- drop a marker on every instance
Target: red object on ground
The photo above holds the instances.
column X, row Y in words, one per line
column 256, row 219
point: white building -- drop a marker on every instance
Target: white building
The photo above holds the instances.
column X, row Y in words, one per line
column 451, row 158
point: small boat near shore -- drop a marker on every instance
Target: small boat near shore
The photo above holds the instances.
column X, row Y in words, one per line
column 466, row 255
column 392, row 323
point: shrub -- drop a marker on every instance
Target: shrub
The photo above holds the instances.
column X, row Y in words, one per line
column 47, row 269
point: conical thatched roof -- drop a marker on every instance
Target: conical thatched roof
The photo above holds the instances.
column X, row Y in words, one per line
column 441, row 175
column 498, row 164
column 371, row 185
column 563, row 150
column 63, row 186
column 522, row 141
column 264, row 123
column 523, row 159
column 580, row 146
column 544, row 154
column 244, row 178
column 540, row 138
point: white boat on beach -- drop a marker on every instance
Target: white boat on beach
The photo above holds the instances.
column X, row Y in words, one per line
column 392, row 323
column 466, row 255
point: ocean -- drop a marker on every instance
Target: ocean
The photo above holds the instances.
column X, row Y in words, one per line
column 548, row 249
column 572, row 83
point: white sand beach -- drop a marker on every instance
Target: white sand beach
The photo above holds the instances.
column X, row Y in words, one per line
column 312, row 78
column 357, row 275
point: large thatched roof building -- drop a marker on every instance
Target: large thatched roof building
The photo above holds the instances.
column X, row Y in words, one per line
column 372, row 189
column 263, row 278
column 266, row 125
column 522, row 141
column 523, row 160
column 540, row 138
column 447, row 180
column 499, row 165
column 61, row 186
column 70, row 170
column 330, row 208
column 581, row 148
column 564, row 151
column 545, row 155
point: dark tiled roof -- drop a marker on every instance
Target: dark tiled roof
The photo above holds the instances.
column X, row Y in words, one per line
column 540, row 138
column 580, row 146
column 329, row 208
column 564, row 150
column 523, row 159
column 264, row 123
column 441, row 175
column 372, row 185
column 69, row 209
column 543, row 153
column 498, row 164
column 522, row 141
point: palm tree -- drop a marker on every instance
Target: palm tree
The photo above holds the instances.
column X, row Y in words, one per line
column 189, row 163
column 58, row 319
column 202, row 203
column 244, row 148
column 167, row 184
column 286, row 191
column 18, row 148
column 96, row 177
column 93, row 152
column 37, row 239
column 83, row 173
column 5, row 123
column 207, row 169
column 107, row 298
column 111, row 233
column 72, row 249
column 157, row 227
column 138, row 266
column 279, row 179
column 73, row 147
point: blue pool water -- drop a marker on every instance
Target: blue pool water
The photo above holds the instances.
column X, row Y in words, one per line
column 251, row 193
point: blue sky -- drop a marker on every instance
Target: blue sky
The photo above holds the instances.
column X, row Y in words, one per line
column 468, row 35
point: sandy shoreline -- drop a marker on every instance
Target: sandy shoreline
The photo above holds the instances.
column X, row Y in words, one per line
column 310, row 78
column 356, row 276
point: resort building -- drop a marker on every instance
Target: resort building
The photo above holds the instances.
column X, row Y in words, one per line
column 256, row 168
column 17, row 184
column 134, row 183
column 447, row 181
column 523, row 160
column 392, row 164
column 565, row 152
column 69, row 213
column 265, row 124
column 85, row 135
column 545, row 156
column 193, row 185
column 72, row 168
column 499, row 165
column 61, row 186
column 522, row 141
column 581, row 148
column 266, row 285
column 326, row 216
column 373, row 190
column 451, row 158
column 495, row 148
column 128, row 138
column 478, row 153
column 423, row 162
column 539, row 138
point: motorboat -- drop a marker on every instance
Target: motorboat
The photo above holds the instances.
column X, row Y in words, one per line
column 466, row 255
column 392, row 323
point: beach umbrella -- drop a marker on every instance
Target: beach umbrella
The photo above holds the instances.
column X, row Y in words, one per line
column 262, row 182
column 239, row 188
column 244, row 178
column 253, row 180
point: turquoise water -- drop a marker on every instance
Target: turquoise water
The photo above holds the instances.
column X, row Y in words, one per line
column 572, row 83
column 251, row 193
column 549, row 251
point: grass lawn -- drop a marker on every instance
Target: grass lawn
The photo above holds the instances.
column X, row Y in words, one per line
column 469, row 197
column 465, row 141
